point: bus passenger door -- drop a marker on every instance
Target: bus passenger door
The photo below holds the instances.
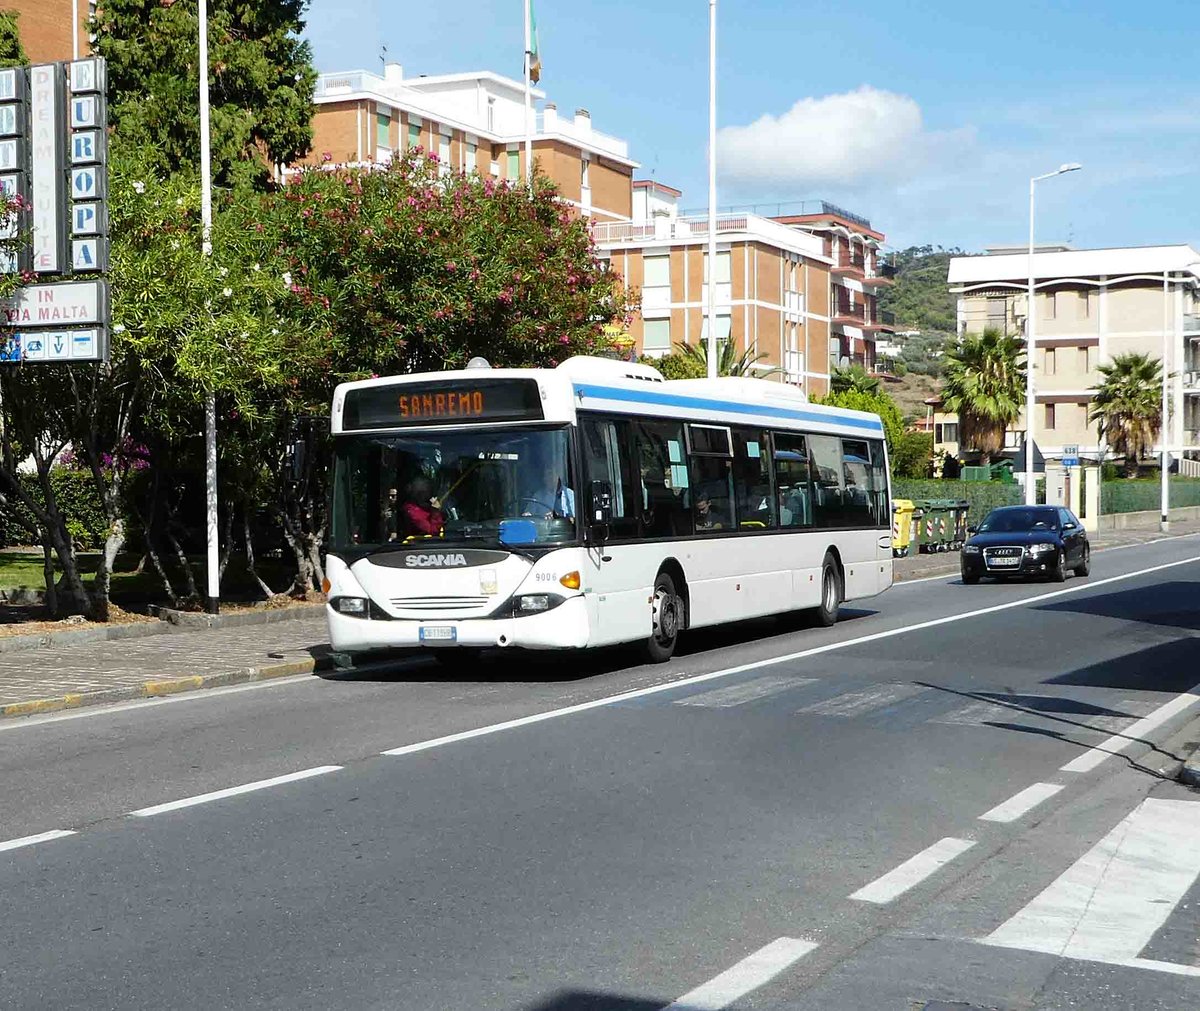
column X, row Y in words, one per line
column 616, row 584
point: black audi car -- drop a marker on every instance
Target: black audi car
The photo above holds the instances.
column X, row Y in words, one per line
column 1027, row 541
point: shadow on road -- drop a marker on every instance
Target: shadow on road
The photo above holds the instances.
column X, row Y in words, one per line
column 550, row 666
column 588, row 1000
column 1172, row 605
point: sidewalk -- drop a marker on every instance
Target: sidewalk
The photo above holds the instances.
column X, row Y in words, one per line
column 80, row 673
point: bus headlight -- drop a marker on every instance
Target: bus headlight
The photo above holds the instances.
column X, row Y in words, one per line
column 356, row 606
column 535, row 603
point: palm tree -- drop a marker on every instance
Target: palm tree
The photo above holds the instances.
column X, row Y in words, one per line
column 855, row 378
column 1127, row 406
column 985, row 386
column 729, row 362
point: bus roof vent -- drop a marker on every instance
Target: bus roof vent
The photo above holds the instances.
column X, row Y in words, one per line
column 479, row 363
column 743, row 387
column 592, row 367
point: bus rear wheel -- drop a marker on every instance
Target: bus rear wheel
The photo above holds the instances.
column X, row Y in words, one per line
column 831, row 592
column 665, row 621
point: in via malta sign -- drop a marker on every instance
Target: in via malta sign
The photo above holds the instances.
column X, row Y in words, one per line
column 54, row 156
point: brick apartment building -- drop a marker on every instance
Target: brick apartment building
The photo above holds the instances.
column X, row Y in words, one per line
column 777, row 293
column 1090, row 304
column 470, row 121
column 45, row 27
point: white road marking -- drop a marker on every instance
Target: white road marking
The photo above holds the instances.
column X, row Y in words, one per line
column 913, row 871
column 610, row 700
column 751, row 691
column 1108, row 905
column 1131, row 735
column 749, row 974
column 33, row 840
column 233, row 791
column 1021, row 803
column 853, row 704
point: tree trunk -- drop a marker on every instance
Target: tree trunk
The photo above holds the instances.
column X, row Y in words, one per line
column 227, row 540
column 250, row 565
column 303, row 580
column 48, row 571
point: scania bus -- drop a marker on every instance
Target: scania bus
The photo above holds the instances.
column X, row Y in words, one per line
column 592, row 504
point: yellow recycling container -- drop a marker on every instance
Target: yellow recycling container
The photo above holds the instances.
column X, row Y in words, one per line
column 902, row 524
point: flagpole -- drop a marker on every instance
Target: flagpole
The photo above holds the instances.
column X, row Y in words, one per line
column 712, row 189
column 528, row 99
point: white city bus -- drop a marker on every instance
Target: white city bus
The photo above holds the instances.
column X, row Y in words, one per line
column 592, row 504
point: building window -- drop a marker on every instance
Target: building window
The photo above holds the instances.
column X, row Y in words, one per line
column 1049, row 417
column 656, row 282
column 1051, row 305
column 724, row 327
column 1050, row 362
column 514, row 165
column 383, row 123
column 1093, row 354
column 471, row 157
column 414, row 135
column 444, row 154
column 1084, row 304
column 656, row 335
column 491, row 115
column 997, row 313
column 946, row 431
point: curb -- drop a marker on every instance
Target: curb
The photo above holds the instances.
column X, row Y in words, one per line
column 168, row 622
column 168, row 686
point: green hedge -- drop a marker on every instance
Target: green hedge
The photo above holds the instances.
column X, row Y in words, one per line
column 1144, row 495
column 75, row 494
column 983, row 495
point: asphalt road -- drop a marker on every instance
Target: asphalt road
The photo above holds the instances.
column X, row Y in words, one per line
column 783, row 817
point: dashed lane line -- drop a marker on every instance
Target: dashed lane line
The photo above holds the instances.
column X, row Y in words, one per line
column 1022, row 803
column 913, row 871
column 233, row 791
column 745, row 976
column 33, row 840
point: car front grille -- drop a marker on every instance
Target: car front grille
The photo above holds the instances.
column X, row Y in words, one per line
column 440, row 603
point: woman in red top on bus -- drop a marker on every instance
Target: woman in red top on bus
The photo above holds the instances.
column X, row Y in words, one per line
column 422, row 511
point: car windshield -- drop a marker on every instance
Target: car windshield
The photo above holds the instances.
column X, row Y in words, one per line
column 504, row 487
column 1014, row 521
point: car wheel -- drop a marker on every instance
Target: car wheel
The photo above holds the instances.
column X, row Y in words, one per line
column 1059, row 573
column 1084, row 568
column 970, row 578
column 831, row 592
column 665, row 621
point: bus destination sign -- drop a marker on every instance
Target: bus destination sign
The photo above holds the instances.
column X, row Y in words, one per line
column 442, row 403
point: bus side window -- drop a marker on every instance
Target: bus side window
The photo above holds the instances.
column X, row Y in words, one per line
column 829, row 507
column 858, row 499
column 879, row 485
column 664, row 478
column 752, row 479
column 605, row 445
column 791, row 480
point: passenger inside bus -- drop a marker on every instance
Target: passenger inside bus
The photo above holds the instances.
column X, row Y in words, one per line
column 422, row 512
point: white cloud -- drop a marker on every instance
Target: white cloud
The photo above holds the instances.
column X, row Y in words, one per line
column 857, row 138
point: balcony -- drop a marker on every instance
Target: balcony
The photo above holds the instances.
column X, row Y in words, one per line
column 1191, row 323
column 850, row 266
column 622, row 232
column 883, row 274
column 849, row 311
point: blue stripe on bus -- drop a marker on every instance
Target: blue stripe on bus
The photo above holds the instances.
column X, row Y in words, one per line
column 698, row 403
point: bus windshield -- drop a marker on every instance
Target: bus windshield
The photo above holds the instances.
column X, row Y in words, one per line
column 503, row 487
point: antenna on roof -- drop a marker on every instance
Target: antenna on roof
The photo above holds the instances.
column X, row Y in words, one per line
column 383, row 55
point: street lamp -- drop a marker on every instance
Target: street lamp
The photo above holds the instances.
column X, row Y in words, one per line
column 1030, row 486
column 712, row 189
column 213, row 568
column 1164, row 457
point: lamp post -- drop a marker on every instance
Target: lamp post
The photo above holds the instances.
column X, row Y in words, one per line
column 213, row 567
column 1164, row 457
column 1030, row 485
column 712, row 189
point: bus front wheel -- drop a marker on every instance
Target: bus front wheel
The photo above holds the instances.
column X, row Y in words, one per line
column 665, row 621
column 831, row 592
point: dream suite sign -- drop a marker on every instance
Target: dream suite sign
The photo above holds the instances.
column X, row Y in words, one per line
column 54, row 164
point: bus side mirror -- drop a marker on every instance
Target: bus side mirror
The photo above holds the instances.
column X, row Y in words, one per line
column 601, row 504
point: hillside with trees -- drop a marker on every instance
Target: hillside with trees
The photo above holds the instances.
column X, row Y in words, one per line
column 922, row 301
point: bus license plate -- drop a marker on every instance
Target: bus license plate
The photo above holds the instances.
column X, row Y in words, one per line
column 438, row 633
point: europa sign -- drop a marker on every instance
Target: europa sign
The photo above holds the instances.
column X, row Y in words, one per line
column 54, row 157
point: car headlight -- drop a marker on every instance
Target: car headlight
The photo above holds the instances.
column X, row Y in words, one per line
column 1041, row 549
column 970, row 549
column 535, row 603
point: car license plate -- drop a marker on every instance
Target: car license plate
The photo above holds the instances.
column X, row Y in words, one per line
column 438, row 633
column 997, row 563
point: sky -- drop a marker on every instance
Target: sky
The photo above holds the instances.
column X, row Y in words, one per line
column 928, row 117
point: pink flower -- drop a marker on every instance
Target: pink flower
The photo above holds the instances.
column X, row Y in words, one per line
column 564, row 339
column 451, row 266
column 326, row 157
